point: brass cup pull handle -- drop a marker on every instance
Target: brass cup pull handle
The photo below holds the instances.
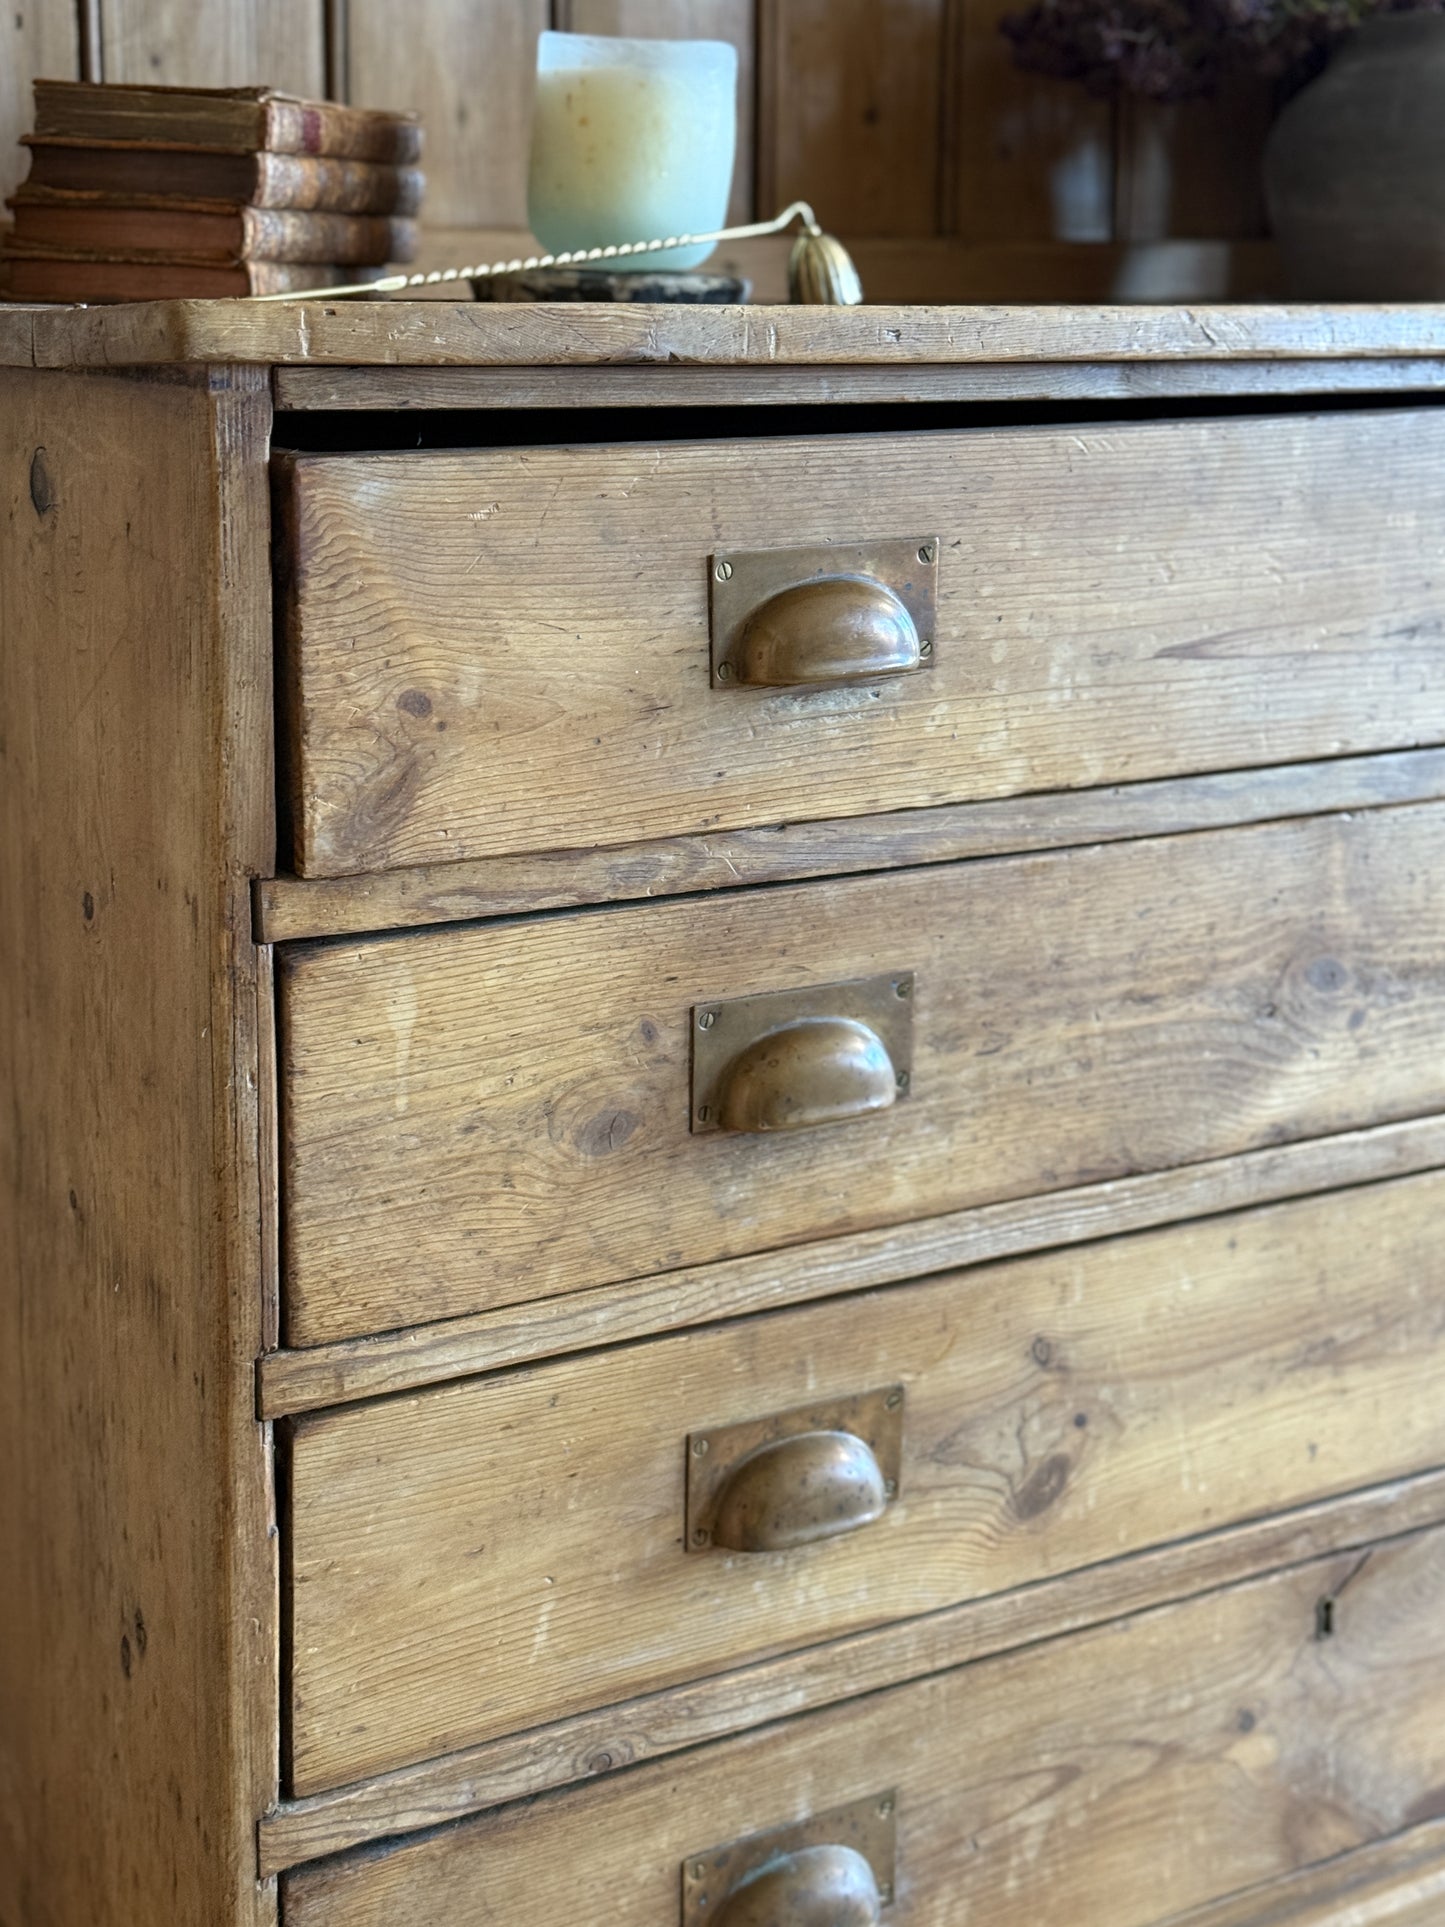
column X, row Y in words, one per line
column 817, row 1070
column 840, row 628
column 823, row 1886
column 797, row 1490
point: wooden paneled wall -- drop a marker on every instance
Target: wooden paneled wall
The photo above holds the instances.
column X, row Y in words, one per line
column 902, row 120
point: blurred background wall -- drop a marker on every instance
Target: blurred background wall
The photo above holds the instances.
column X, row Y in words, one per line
column 902, row 120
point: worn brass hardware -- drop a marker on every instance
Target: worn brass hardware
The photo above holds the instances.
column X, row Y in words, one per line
column 815, row 1887
column 830, row 613
column 792, row 1478
column 787, row 1060
column 834, row 1869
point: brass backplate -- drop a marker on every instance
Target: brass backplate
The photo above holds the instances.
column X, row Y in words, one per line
column 713, row 1456
column 740, row 579
column 721, row 1031
column 869, row 1826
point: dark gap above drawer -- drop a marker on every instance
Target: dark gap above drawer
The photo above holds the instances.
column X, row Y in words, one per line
column 408, row 427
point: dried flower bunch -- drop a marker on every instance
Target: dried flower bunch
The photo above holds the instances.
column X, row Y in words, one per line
column 1183, row 49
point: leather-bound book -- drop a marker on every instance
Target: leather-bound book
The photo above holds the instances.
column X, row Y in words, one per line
column 126, row 170
column 236, row 120
column 67, row 278
column 54, row 221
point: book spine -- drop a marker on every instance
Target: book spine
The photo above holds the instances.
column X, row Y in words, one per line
column 286, row 234
column 325, row 131
column 337, row 186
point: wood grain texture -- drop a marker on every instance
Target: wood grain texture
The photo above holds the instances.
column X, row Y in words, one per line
column 851, row 111
column 505, row 1552
column 138, row 1727
column 215, row 43
column 472, row 1115
column 417, row 389
column 1397, row 1882
column 521, row 1765
column 37, row 41
column 730, row 20
column 288, row 907
column 469, row 71
column 483, row 334
column 1103, row 615
column 350, row 1369
column 1065, row 1768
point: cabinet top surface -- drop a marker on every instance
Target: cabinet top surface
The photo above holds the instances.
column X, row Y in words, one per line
column 483, row 334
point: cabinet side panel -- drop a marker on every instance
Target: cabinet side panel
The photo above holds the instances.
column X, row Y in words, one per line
column 137, row 1725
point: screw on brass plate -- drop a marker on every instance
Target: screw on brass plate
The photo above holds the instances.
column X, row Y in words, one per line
column 925, row 648
column 893, row 1401
column 706, row 1019
column 903, row 1080
column 724, row 671
column 890, row 1486
column 701, row 1536
column 723, row 571
column 925, row 553
column 885, row 1807
column 885, row 1893
column 904, row 987
column 698, row 1870
column 703, row 1114
column 699, row 1448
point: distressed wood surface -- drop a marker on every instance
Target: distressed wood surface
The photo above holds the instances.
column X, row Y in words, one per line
column 288, row 907
column 416, row 389
column 1062, row 1769
column 446, row 334
column 1397, row 1882
column 507, row 649
column 350, row 1369
column 471, row 1115
column 578, row 1749
column 504, row 1552
column 138, row 1675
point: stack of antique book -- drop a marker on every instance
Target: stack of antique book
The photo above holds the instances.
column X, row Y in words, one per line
column 140, row 193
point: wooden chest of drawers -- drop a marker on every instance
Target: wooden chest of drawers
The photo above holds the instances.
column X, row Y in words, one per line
column 723, row 1117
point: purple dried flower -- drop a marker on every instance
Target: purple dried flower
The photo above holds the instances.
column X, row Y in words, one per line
column 1170, row 50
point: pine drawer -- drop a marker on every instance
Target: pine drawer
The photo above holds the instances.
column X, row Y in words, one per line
column 481, row 1115
column 1139, row 1769
column 493, row 1554
column 508, row 649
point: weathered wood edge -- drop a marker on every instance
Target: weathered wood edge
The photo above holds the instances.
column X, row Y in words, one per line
column 674, row 386
column 336, row 1374
column 242, row 1060
column 1395, row 1882
column 139, row 1730
column 720, row 1705
column 421, row 333
column 290, row 908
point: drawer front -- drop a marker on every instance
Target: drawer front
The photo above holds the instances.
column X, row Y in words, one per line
column 493, row 1554
column 1112, row 1779
column 509, row 650
column 481, row 1115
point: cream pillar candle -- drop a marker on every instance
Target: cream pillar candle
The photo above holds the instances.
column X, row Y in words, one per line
column 631, row 139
